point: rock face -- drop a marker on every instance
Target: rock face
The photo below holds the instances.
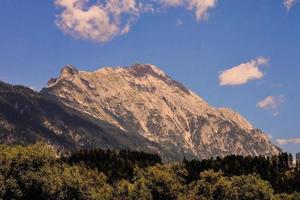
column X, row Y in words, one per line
column 27, row 117
column 142, row 100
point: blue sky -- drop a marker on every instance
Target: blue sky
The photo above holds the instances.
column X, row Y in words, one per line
column 194, row 43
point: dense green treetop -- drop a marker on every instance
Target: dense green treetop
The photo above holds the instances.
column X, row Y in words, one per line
column 36, row 172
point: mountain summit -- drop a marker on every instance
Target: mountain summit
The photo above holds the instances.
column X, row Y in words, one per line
column 143, row 100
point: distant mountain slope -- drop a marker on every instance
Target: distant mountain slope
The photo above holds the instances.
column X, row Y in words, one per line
column 142, row 99
column 26, row 117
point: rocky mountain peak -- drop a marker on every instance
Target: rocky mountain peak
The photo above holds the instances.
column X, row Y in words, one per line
column 142, row 99
column 140, row 70
column 143, row 71
column 68, row 71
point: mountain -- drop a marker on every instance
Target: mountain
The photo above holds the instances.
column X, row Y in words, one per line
column 27, row 116
column 141, row 101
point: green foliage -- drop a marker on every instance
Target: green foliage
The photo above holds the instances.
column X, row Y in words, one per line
column 62, row 181
column 213, row 185
column 18, row 166
column 124, row 190
column 276, row 170
column 251, row 187
column 165, row 182
column 293, row 196
column 116, row 165
column 35, row 172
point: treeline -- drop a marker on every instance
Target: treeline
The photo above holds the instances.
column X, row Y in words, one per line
column 35, row 172
column 277, row 170
column 115, row 165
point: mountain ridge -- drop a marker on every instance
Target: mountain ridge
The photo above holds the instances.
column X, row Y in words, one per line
column 143, row 99
column 27, row 117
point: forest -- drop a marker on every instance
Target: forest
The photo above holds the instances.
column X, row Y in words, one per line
column 37, row 172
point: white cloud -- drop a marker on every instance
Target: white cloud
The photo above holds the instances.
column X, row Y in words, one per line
column 271, row 102
column 288, row 141
column 98, row 22
column 200, row 7
column 104, row 20
column 243, row 73
column 288, row 4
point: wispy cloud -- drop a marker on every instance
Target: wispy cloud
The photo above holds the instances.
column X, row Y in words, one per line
column 288, row 141
column 271, row 103
column 200, row 7
column 173, row 3
column 104, row 20
column 288, row 4
column 242, row 73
